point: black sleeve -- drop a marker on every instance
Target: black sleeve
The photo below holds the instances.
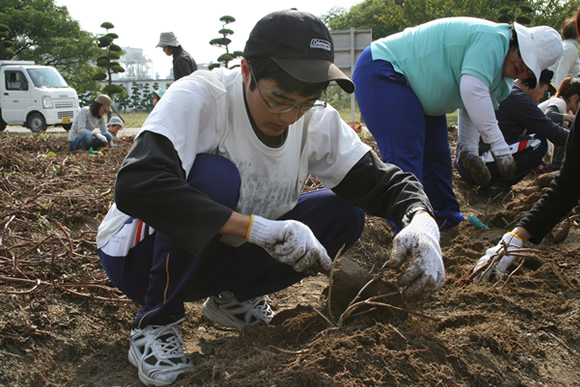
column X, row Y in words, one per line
column 518, row 112
column 382, row 189
column 151, row 186
column 561, row 197
column 554, row 114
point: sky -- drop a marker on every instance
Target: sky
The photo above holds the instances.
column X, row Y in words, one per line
column 138, row 23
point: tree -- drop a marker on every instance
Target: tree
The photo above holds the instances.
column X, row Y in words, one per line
column 46, row 34
column 135, row 97
column 107, row 62
column 5, row 45
column 147, row 102
column 224, row 41
column 123, row 100
column 386, row 17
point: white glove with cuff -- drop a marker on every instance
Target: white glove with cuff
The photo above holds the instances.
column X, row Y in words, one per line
column 509, row 240
column 289, row 242
column 102, row 138
column 419, row 244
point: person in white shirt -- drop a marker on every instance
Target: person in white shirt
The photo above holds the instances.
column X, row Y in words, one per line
column 561, row 109
column 209, row 202
column 569, row 63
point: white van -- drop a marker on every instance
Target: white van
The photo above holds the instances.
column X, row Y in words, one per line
column 35, row 96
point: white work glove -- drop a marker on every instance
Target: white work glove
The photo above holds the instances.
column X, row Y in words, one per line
column 418, row 243
column 475, row 165
column 290, row 242
column 509, row 240
column 506, row 165
column 102, row 138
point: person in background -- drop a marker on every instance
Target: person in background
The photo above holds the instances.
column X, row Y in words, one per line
column 526, row 130
column 209, row 202
column 156, row 95
column 569, row 63
column 81, row 135
column 115, row 124
column 561, row 109
column 554, row 205
column 407, row 82
column 183, row 62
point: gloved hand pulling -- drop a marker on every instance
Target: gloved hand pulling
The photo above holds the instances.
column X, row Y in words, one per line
column 419, row 244
column 506, row 165
column 475, row 165
column 102, row 138
column 511, row 242
column 290, row 242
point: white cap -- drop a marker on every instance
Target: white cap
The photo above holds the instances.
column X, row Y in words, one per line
column 115, row 121
column 167, row 39
column 540, row 47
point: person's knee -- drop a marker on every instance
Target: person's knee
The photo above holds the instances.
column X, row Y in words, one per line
column 217, row 177
column 350, row 216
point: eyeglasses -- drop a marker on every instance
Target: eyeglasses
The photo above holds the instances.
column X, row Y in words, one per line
column 286, row 107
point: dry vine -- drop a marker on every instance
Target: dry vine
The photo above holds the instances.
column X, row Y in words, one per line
column 36, row 250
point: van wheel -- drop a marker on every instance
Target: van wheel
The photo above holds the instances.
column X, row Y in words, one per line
column 2, row 125
column 36, row 122
column 67, row 127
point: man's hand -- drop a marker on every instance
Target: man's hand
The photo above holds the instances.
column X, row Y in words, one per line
column 290, row 242
column 419, row 244
column 509, row 242
column 506, row 165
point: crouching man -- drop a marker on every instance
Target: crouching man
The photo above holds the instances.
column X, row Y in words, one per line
column 208, row 201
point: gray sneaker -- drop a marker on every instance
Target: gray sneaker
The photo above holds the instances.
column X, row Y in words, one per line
column 226, row 310
column 159, row 354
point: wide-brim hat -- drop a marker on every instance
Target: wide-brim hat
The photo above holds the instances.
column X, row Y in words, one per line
column 540, row 47
column 167, row 39
column 105, row 101
column 300, row 44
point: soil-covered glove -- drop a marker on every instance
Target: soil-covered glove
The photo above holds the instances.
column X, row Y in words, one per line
column 506, row 165
column 475, row 165
column 418, row 243
column 290, row 242
column 510, row 241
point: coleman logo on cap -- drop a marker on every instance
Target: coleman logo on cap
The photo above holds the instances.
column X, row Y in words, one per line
column 321, row 43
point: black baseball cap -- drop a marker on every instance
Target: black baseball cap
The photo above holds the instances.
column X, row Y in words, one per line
column 300, row 44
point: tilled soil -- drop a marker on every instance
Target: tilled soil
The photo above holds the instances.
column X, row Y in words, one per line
column 62, row 323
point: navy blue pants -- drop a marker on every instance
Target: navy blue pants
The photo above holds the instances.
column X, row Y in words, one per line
column 526, row 159
column 406, row 137
column 161, row 275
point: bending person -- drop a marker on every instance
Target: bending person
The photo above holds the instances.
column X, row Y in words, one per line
column 209, row 203
column 554, row 205
column 81, row 135
column 407, row 83
column 526, row 129
column 561, row 109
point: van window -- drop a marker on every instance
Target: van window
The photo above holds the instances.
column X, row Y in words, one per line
column 46, row 77
column 15, row 80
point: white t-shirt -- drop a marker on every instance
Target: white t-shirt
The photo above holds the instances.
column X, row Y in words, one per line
column 554, row 101
column 205, row 113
